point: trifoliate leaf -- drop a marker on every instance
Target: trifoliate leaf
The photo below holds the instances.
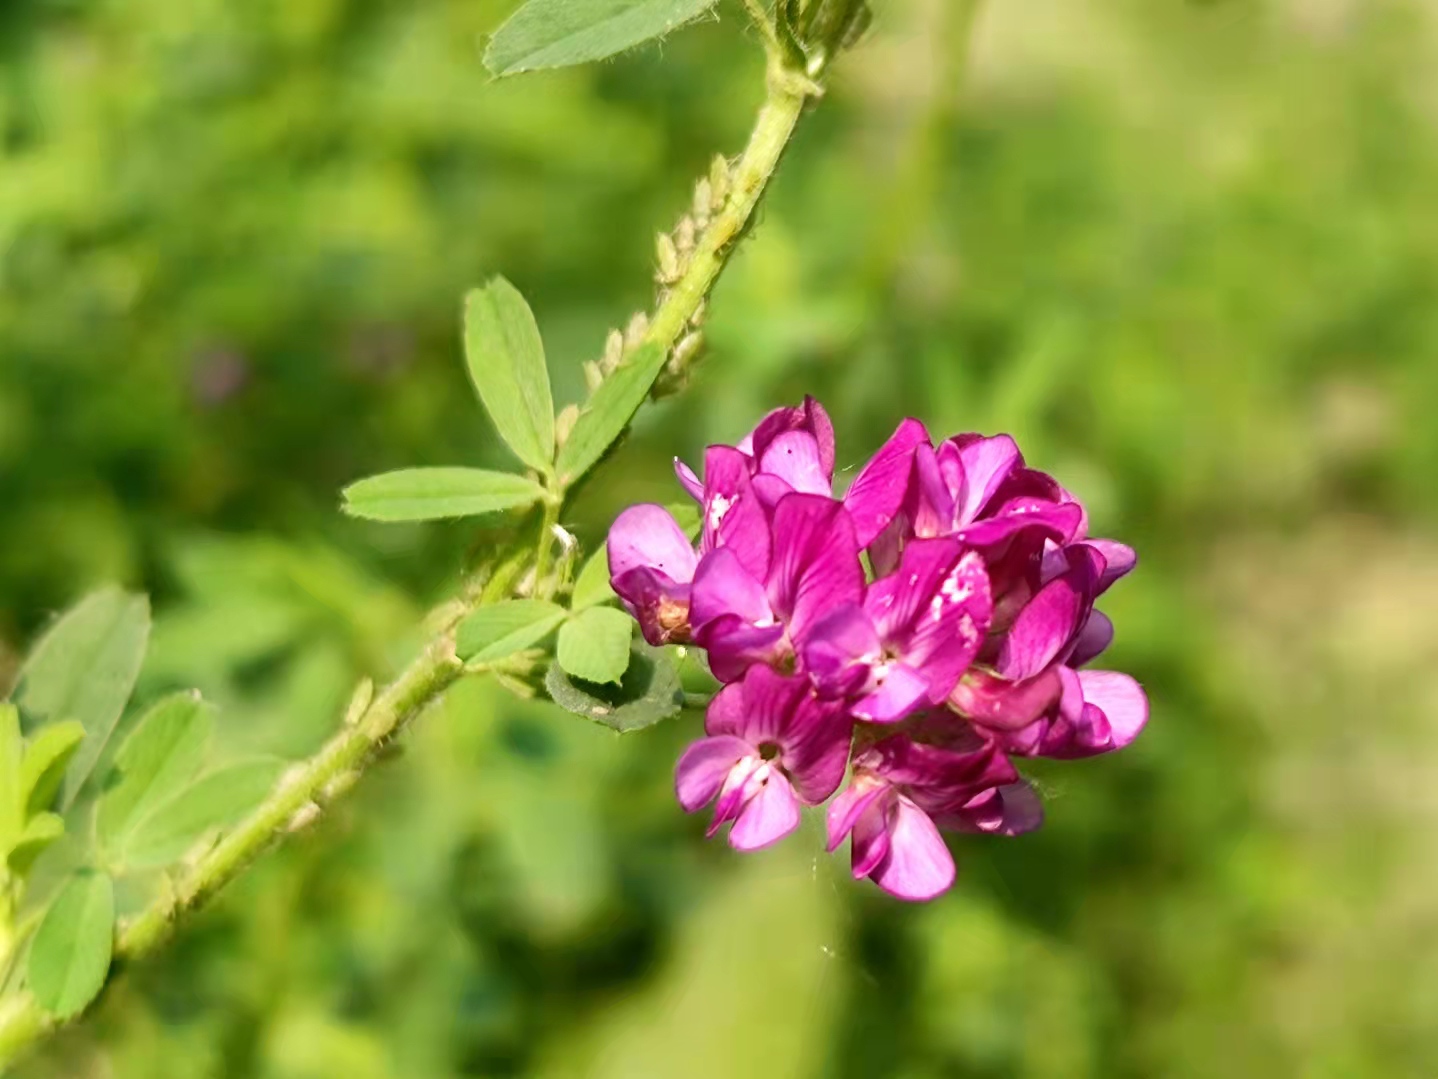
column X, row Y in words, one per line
column 591, row 587
column 83, row 669
column 594, row 645
column 557, row 33
column 71, row 953
column 609, row 411
column 213, row 801
column 40, row 831
column 47, row 755
column 501, row 629
column 430, row 494
column 505, row 357
column 649, row 692
column 158, row 760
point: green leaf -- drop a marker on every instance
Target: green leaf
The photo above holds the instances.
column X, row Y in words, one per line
column 156, row 762
column 609, row 412
column 71, row 954
column 429, row 494
column 40, row 832
column 592, row 588
column 12, row 795
column 650, row 692
column 501, row 629
column 84, row 669
column 557, row 33
column 505, row 356
column 594, row 645
column 47, row 756
column 213, row 801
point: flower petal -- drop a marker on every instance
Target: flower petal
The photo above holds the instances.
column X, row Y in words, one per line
column 869, row 839
column 918, row 865
column 816, row 564
column 703, row 767
column 900, row 692
column 1119, row 559
column 987, row 462
column 733, row 518
column 1092, row 639
column 647, row 536
column 734, row 645
column 991, row 701
column 660, row 605
column 768, row 816
column 1122, row 701
column 851, row 804
column 722, row 586
column 1048, row 622
column 689, row 481
column 933, row 510
column 809, row 418
column 839, row 650
column 794, row 458
column 878, row 491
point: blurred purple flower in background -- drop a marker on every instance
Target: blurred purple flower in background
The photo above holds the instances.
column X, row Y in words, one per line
column 964, row 644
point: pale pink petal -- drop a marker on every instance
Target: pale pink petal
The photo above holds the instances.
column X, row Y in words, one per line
column 647, row 536
column 918, row 866
column 689, row 481
column 703, row 767
column 768, row 816
column 794, row 458
column 1120, row 698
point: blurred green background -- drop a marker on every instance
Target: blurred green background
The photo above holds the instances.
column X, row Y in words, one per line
column 1186, row 252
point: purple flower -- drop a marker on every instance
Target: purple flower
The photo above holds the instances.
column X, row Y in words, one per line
column 915, row 633
column 772, row 744
column 791, row 450
column 1035, row 701
column 742, row 618
column 651, row 565
column 903, row 790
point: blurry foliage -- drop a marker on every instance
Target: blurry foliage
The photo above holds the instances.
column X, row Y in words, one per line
column 1186, row 252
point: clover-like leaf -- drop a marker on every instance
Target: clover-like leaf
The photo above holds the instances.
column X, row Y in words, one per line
column 497, row 630
column 83, row 669
column 213, row 801
column 609, row 411
column 505, row 357
column 649, row 693
column 594, row 645
column 47, row 755
column 71, row 952
column 558, row 33
column 158, row 760
column 591, row 587
column 431, row 494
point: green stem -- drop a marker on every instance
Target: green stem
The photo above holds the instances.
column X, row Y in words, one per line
column 312, row 784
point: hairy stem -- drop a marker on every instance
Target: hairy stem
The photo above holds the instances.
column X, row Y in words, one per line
column 312, row 784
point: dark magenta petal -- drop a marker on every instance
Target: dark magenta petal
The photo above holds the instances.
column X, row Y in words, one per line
column 899, row 692
column 815, row 565
column 770, row 489
column 704, row 766
column 987, row 463
column 839, row 650
column 1046, row 626
column 660, row 605
column 794, row 458
column 917, row 865
column 1056, row 522
column 869, row 836
column 1119, row 559
column 933, row 511
column 733, row 518
column 997, row 703
column 722, row 586
column 877, row 493
column 646, row 536
column 734, row 645
column 845, row 810
column 1010, row 810
column 1092, row 639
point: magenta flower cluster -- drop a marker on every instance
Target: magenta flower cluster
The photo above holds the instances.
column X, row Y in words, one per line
column 965, row 645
